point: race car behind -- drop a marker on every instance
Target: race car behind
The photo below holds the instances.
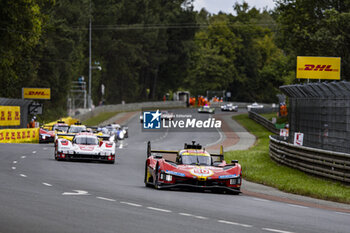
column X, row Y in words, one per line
column 206, row 109
column 85, row 146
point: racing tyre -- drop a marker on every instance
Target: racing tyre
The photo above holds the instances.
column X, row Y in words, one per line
column 146, row 176
column 156, row 183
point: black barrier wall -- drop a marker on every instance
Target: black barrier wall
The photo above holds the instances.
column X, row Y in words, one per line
column 321, row 111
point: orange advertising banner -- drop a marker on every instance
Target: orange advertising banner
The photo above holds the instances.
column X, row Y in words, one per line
column 318, row 68
column 10, row 115
column 19, row 135
column 36, row 93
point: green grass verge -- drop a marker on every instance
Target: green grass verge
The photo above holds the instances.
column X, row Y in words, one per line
column 99, row 118
column 280, row 120
column 257, row 166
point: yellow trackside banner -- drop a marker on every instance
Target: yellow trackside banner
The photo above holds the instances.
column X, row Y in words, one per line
column 318, row 68
column 10, row 115
column 19, row 135
column 36, row 93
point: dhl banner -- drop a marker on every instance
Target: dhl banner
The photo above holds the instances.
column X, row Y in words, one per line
column 10, row 115
column 19, row 135
column 318, row 68
column 36, row 93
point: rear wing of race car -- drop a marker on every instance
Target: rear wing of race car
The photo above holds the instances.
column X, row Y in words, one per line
column 172, row 154
column 104, row 137
column 166, row 154
column 65, row 135
column 218, row 157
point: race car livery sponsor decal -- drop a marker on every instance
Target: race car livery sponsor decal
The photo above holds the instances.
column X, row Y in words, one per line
column 175, row 173
column 87, row 148
column 201, row 172
column 228, row 176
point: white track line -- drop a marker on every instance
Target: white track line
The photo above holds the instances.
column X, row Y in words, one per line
column 23, row 175
column 131, row 204
column 161, row 210
column 34, row 152
column 298, row 206
column 15, row 161
column 234, row 223
column 217, row 141
column 259, row 199
column 105, row 199
column 200, row 217
column 23, row 157
column 47, row 184
column 185, row 214
column 343, row 213
column 76, row 192
column 13, row 168
column 275, row 230
column 191, row 215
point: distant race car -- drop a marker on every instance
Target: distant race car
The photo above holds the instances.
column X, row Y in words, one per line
column 120, row 132
column 47, row 134
column 85, row 146
column 141, row 117
column 255, row 105
column 167, row 115
column 229, row 107
column 206, row 109
column 71, row 132
column 193, row 168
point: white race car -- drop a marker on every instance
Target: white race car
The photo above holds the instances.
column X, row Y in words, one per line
column 229, row 107
column 255, row 106
column 85, row 146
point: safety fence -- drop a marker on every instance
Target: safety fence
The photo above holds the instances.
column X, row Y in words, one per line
column 263, row 121
column 329, row 164
column 321, row 112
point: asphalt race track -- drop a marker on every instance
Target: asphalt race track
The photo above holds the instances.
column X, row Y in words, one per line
column 40, row 194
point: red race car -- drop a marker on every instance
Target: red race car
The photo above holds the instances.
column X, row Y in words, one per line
column 193, row 168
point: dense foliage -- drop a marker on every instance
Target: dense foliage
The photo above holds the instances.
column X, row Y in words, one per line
column 148, row 48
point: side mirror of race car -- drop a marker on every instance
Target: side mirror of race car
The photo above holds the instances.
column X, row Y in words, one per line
column 148, row 149
column 234, row 161
column 158, row 156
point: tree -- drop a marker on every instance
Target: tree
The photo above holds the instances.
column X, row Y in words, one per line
column 315, row 28
column 21, row 29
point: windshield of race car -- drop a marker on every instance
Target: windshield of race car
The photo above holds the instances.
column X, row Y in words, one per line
column 76, row 129
column 196, row 160
column 60, row 128
column 83, row 140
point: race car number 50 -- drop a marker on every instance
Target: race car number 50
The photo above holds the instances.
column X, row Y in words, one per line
column 201, row 172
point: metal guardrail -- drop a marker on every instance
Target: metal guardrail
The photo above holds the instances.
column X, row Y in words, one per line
column 264, row 122
column 329, row 164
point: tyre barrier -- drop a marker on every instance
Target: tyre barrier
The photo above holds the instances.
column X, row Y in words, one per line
column 264, row 122
column 327, row 164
